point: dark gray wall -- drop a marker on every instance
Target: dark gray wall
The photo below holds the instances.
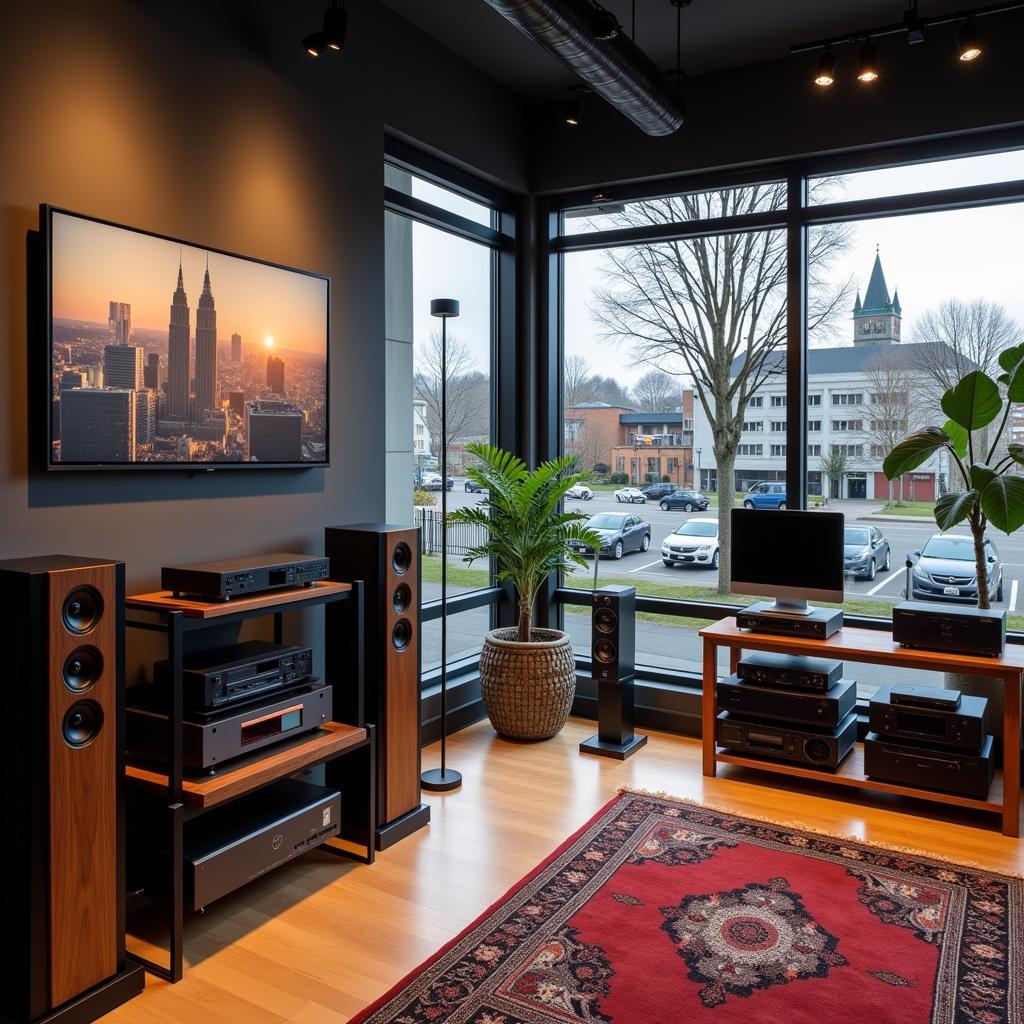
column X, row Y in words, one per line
column 771, row 112
column 206, row 121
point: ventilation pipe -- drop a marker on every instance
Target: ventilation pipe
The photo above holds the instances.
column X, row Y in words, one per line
column 577, row 33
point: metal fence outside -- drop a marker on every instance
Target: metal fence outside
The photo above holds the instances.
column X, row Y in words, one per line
column 461, row 536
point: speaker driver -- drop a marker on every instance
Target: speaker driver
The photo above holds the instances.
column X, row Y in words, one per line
column 401, row 634
column 605, row 620
column 401, row 598
column 817, row 750
column 83, row 608
column 401, row 558
column 82, row 667
column 82, row 722
column 604, row 651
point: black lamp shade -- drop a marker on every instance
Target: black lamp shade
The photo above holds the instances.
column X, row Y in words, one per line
column 444, row 308
column 335, row 19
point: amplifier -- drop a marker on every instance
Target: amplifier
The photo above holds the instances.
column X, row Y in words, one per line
column 255, row 834
column 924, row 697
column 819, row 623
column 229, row 675
column 938, row 627
column 250, row 574
column 790, row 671
column 819, row 709
column 219, row 738
column 965, row 726
column 822, row 748
column 963, row 772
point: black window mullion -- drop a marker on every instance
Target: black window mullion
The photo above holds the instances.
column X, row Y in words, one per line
column 796, row 344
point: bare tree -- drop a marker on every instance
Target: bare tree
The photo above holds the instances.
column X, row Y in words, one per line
column 834, row 465
column 593, row 444
column 713, row 308
column 657, row 391
column 610, row 390
column 576, row 381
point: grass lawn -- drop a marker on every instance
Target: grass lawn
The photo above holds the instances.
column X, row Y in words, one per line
column 908, row 508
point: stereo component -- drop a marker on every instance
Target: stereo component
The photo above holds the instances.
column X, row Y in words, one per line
column 938, row 627
column 924, row 697
column 228, row 675
column 963, row 772
column 219, row 738
column 790, row 671
column 819, row 623
column 386, row 559
column 824, row 748
column 963, row 727
column 241, row 577
column 63, row 852
column 801, row 707
column 231, row 846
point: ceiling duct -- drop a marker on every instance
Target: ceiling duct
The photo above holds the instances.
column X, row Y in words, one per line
column 615, row 68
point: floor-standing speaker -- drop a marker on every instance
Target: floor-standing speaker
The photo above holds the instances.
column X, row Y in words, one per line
column 612, row 656
column 62, row 858
column 386, row 558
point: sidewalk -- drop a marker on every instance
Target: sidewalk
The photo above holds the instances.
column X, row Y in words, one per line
column 868, row 510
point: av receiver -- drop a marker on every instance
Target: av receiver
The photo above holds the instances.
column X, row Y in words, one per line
column 233, row 845
column 819, row 623
column 822, row 748
column 251, row 574
column 963, row 772
column 938, row 627
column 790, row 671
column 220, row 738
column 964, row 726
column 229, row 675
column 818, row 709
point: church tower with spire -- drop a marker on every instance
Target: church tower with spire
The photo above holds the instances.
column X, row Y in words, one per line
column 876, row 320
column 206, row 350
column 178, row 344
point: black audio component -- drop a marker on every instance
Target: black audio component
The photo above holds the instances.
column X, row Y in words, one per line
column 228, row 675
column 821, row 748
column 220, row 738
column 819, row 623
column 924, row 697
column 963, row 772
column 244, row 576
column 938, row 627
column 790, row 671
column 800, row 706
column 612, row 665
column 232, row 845
column 963, row 727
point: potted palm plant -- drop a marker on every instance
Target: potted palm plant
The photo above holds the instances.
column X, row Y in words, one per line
column 527, row 675
column 991, row 491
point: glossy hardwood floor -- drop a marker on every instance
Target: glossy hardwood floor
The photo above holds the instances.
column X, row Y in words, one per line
column 318, row 940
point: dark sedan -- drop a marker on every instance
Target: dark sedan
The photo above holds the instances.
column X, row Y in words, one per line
column 945, row 570
column 620, row 533
column 655, row 491
column 865, row 551
column 688, row 501
column 473, row 487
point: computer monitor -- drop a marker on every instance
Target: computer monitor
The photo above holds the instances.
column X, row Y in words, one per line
column 792, row 556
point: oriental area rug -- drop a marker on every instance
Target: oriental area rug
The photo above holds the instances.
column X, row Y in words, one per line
column 661, row 911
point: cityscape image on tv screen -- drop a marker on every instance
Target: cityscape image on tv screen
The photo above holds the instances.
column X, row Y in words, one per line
column 170, row 353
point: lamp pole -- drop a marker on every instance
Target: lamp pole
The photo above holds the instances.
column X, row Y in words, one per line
column 443, row 779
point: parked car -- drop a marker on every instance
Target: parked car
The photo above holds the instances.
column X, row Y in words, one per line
column 865, row 551
column 694, row 542
column 688, row 501
column 766, row 495
column 474, row 488
column 580, row 491
column 620, row 532
column 432, row 482
column 631, row 495
column 659, row 490
column 945, row 570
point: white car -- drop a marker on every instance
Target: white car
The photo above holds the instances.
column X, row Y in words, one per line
column 580, row 491
column 694, row 542
column 631, row 495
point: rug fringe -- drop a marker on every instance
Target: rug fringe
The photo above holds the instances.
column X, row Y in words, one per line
column 800, row 826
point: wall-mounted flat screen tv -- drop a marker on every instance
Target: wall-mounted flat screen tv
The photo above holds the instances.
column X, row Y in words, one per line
column 164, row 354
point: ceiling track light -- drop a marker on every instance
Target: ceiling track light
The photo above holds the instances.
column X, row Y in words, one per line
column 574, row 106
column 868, row 69
column 967, row 41
column 606, row 25
column 826, row 75
column 332, row 35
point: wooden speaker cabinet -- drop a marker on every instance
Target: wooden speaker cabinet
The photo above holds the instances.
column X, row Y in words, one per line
column 386, row 558
column 63, row 858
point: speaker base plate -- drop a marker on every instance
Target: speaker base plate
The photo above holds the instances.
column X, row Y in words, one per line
column 620, row 751
column 435, row 781
column 405, row 825
column 101, row 999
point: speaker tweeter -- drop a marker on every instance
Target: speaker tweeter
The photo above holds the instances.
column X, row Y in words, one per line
column 82, row 610
column 82, row 667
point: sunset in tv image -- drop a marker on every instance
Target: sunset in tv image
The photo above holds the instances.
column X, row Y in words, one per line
column 169, row 353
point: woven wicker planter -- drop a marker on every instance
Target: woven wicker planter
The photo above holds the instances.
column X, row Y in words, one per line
column 527, row 688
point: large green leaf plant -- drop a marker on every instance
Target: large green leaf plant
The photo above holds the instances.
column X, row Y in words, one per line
column 527, row 534
column 993, row 492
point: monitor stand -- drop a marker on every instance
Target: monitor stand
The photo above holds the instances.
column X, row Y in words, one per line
column 783, row 606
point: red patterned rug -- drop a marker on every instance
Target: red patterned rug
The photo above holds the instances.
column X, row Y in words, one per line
column 660, row 912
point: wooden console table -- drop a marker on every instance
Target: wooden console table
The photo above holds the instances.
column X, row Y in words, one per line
column 875, row 647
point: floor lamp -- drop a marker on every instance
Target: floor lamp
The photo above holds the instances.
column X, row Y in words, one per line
column 443, row 779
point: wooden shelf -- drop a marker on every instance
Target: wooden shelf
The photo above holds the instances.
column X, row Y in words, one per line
column 198, row 608
column 257, row 770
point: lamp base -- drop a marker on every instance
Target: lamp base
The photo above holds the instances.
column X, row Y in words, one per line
column 436, row 781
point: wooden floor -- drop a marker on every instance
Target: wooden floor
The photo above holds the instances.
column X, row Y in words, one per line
column 318, row 940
